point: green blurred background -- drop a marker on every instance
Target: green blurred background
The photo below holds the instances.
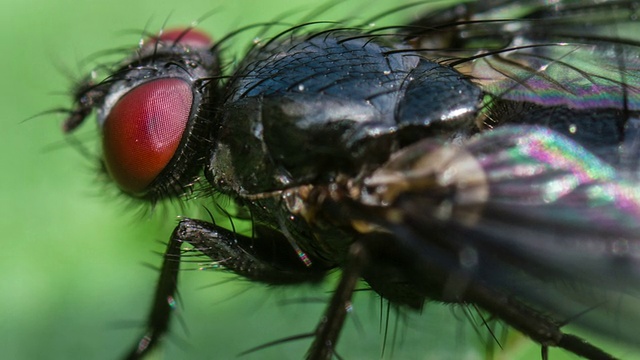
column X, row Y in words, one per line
column 73, row 280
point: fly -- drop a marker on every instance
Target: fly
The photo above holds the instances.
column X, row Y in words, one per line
column 484, row 154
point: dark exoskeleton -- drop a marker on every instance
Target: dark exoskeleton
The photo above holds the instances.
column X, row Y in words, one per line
column 470, row 157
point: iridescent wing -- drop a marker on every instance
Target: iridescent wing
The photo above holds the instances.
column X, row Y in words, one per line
column 524, row 211
column 581, row 54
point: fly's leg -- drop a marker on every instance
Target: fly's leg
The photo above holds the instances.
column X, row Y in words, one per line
column 370, row 258
column 163, row 300
column 267, row 258
column 328, row 330
column 532, row 323
column 377, row 251
column 374, row 258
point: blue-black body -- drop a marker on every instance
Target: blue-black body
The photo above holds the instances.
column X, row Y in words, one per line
column 314, row 106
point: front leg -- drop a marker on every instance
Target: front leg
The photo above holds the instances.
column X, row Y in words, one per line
column 267, row 257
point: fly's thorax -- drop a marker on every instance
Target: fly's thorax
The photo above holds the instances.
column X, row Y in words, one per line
column 310, row 108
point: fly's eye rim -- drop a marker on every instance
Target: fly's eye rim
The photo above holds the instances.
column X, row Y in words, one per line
column 182, row 171
column 143, row 129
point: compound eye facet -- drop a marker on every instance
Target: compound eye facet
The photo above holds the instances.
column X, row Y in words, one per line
column 143, row 131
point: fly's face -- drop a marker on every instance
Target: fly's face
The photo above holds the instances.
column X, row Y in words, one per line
column 152, row 112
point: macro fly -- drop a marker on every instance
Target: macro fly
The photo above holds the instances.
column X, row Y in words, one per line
column 483, row 153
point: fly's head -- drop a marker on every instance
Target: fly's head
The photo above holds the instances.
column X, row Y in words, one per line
column 153, row 113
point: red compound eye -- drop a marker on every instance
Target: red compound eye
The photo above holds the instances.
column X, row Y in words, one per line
column 143, row 131
column 190, row 37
